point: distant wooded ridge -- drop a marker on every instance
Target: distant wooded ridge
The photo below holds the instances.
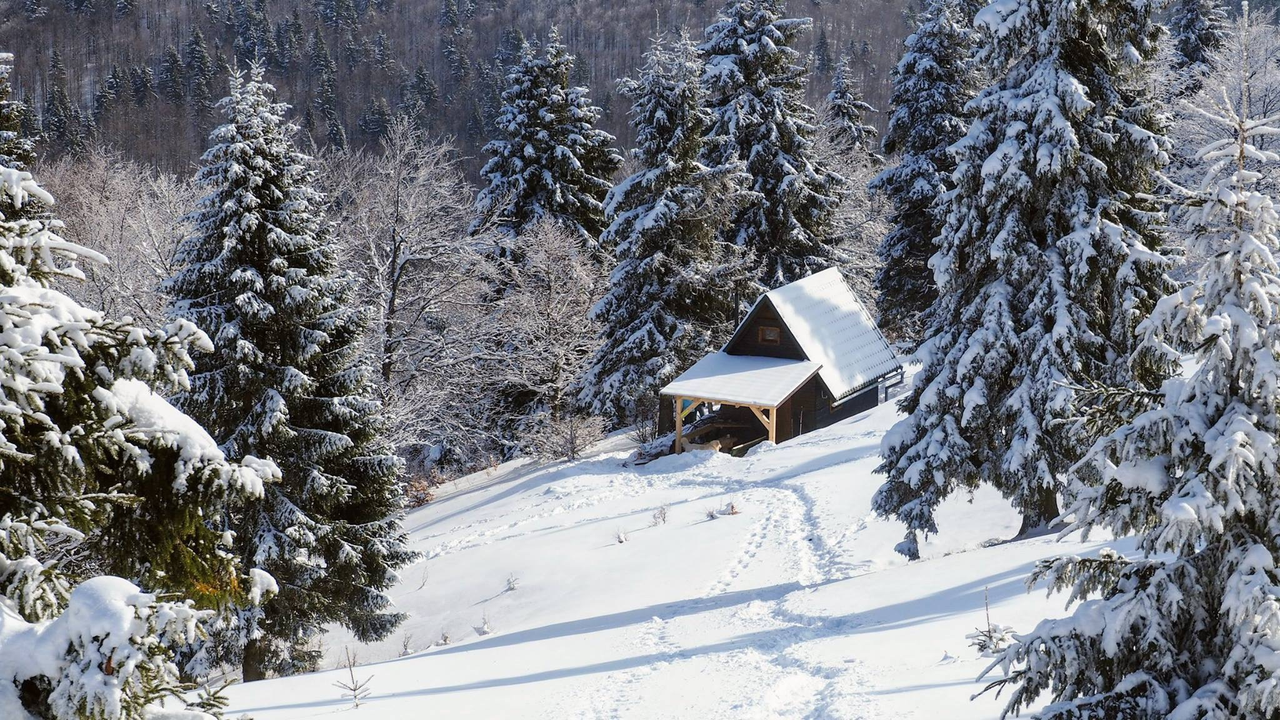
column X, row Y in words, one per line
column 142, row 75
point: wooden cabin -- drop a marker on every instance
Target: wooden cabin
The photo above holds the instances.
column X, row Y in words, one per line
column 806, row 356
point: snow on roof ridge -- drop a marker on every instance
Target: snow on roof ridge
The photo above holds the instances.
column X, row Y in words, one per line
column 817, row 278
column 835, row 330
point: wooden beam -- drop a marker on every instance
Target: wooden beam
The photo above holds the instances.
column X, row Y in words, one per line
column 770, row 422
column 679, row 426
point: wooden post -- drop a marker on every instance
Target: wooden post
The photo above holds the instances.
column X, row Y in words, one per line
column 679, row 425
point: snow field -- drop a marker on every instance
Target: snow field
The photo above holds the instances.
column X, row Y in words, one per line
column 797, row 607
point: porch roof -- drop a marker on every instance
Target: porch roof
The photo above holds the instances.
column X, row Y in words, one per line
column 743, row 379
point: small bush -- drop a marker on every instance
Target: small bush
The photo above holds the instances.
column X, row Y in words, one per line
column 992, row 639
column 563, row 436
column 659, row 516
column 644, row 419
column 420, row 490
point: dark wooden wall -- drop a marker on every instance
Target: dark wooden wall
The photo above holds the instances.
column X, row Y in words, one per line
column 746, row 341
column 861, row 402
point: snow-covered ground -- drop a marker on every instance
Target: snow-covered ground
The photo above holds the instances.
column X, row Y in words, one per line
column 796, row 607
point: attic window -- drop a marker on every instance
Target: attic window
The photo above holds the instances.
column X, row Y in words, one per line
column 769, row 335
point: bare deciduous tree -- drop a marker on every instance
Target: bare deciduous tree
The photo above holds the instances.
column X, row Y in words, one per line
column 860, row 220
column 403, row 216
column 547, row 339
column 133, row 214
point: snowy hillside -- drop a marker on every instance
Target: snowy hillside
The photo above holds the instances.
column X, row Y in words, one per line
column 796, row 607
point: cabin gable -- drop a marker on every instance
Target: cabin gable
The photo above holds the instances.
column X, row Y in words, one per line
column 756, row 334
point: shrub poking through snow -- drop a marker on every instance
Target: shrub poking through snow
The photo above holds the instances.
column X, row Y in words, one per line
column 484, row 628
column 660, row 516
column 621, row 536
column 992, row 639
column 730, row 508
column 513, row 582
column 212, row 699
column 712, row 514
column 354, row 689
column 419, row 490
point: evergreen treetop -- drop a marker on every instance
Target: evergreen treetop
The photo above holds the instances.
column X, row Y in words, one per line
column 16, row 152
column 847, row 112
column 1198, row 27
column 932, row 84
column 551, row 162
column 755, row 84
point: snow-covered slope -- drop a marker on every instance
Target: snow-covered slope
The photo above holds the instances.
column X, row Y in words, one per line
column 796, row 607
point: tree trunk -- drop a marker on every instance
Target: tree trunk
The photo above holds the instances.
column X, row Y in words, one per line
column 1041, row 510
column 253, row 662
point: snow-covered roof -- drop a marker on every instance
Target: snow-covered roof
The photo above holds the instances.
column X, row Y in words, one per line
column 743, row 379
column 834, row 330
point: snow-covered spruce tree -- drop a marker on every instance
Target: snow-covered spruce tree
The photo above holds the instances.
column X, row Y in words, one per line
column 551, row 162
column 1046, row 265
column 670, row 298
column 15, row 153
column 846, row 112
column 1191, row 627
column 932, row 84
column 100, row 475
column 1198, row 28
column 754, row 85
column 286, row 380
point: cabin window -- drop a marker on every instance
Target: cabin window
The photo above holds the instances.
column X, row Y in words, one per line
column 770, row 335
